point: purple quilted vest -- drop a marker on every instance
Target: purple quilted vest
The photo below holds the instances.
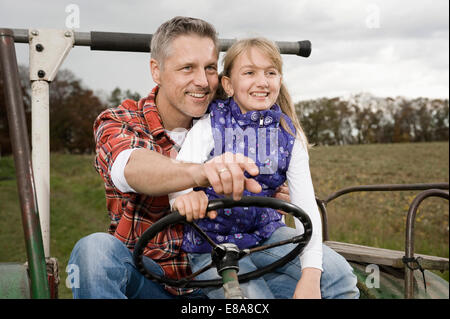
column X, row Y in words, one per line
column 258, row 135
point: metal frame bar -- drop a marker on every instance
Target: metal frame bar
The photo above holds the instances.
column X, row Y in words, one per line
column 409, row 240
column 428, row 190
column 140, row 42
column 48, row 49
column 322, row 203
column 24, row 169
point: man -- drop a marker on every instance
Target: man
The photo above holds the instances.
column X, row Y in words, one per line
column 136, row 147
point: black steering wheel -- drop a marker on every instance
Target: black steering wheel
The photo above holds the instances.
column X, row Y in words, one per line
column 219, row 252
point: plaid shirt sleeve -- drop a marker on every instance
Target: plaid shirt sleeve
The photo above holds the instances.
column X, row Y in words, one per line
column 115, row 130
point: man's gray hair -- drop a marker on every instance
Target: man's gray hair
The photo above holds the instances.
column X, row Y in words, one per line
column 178, row 26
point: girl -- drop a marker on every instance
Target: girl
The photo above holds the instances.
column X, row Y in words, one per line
column 257, row 120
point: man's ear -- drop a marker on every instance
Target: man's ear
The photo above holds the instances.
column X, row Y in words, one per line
column 155, row 69
column 226, row 84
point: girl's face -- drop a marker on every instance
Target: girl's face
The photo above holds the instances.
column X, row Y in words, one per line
column 254, row 81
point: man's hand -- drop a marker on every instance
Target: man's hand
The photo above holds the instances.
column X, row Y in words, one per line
column 225, row 173
column 193, row 205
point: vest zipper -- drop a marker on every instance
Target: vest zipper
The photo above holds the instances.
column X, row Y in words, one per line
column 261, row 121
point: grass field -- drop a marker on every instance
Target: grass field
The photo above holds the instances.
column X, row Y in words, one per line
column 375, row 219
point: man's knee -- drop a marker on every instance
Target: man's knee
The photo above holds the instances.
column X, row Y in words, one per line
column 95, row 241
column 95, row 248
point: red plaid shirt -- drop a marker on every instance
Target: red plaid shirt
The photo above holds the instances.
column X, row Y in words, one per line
column 138, row 125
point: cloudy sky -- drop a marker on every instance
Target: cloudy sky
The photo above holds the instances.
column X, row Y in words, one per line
column 384, row 47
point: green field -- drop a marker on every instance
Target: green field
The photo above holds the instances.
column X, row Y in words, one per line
column 375, row 219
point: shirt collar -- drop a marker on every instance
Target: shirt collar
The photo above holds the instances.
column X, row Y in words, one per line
column 154, row 121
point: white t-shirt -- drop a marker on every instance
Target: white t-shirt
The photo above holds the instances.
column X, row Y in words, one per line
column 196, row 147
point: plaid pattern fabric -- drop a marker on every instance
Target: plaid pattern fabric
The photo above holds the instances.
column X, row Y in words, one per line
column 138, row 125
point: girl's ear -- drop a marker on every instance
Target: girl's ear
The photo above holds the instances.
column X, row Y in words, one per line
column 226, row 84
column 155, row 69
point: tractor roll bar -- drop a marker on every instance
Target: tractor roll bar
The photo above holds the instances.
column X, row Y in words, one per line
column 140, row 42
column 386, row 187
column 409, row 240
column 428, row 190
column 22, row 161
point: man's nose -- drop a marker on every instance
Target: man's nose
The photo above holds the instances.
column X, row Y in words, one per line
column 200, row 78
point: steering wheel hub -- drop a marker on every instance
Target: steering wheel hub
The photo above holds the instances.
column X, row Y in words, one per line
column 225, row 256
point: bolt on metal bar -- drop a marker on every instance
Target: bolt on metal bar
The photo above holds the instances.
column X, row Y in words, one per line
column 22, row 159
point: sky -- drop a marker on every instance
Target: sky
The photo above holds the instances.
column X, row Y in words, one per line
column 387, row 48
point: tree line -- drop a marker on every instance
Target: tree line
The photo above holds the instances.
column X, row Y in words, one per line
column 363, row 118
column 359, row 119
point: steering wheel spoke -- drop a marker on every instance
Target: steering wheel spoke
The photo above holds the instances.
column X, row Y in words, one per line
column 200, row 271
column 293, row 240
column 203, row 234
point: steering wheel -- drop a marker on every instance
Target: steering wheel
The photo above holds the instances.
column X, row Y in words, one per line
column 225, row 256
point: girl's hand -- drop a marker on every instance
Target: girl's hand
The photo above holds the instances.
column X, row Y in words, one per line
column 308, row 287
column 193, row 205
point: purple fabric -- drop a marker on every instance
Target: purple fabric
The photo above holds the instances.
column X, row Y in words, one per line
column 258, row 135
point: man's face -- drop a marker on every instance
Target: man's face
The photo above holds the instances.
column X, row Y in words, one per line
column 188, row 79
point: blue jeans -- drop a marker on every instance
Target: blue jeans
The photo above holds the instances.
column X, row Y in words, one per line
column 106, row 270
column 337, row 281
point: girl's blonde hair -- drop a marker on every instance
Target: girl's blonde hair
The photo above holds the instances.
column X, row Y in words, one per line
column 270, row 49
